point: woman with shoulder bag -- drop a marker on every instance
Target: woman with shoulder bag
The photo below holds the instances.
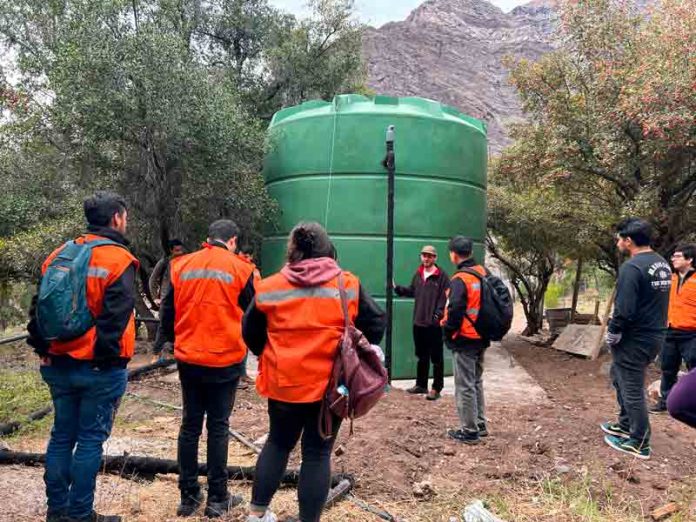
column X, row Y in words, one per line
column 294, row 326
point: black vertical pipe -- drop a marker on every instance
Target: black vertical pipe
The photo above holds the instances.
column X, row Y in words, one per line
column 390, row 164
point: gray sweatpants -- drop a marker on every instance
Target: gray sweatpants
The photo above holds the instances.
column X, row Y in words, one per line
column 468, row 388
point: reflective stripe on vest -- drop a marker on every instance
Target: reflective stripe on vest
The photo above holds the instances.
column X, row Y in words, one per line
column 304, row 327
column 107, row 264
column 218, row 275
column 317, row 292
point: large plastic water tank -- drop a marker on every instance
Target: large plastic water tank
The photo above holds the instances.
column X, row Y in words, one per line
column 324, row 164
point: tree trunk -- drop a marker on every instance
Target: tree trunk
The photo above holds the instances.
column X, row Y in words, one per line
column 576, row 291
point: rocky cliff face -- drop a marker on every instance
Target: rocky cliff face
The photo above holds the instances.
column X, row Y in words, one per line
column 452, row 51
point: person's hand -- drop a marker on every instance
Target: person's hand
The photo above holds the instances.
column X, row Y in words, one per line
column 613, row 339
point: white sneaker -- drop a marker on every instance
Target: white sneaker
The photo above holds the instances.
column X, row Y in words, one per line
column 268, row 516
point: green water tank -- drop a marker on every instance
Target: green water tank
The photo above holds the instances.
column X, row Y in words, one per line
column 324, row 163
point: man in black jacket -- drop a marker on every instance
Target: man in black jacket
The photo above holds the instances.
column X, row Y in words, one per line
column 636, row 334
column 428, row 287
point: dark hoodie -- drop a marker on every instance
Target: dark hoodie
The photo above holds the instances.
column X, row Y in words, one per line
column 371, row 320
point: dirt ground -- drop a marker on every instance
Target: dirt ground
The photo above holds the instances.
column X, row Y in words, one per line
column 542, row 462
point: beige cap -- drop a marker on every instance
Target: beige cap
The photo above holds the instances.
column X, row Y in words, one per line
column 429, row 249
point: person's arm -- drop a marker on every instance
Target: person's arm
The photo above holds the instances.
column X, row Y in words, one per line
column 117, row 309
column 155, row 281
column 35, row 340
column 246, row 297
column 167, row 315
column 407, row 291
column 255, row 329
column 371, row 319
column 442, row 296
column 627, row 291
column 456, row 309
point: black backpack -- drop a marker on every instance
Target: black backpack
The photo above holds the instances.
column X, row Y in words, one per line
column 495, row 315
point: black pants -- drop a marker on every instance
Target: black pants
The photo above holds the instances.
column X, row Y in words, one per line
column 288, row 422
column 215, row 400
column 673, row 351
column 631, row 359
column 428, row 341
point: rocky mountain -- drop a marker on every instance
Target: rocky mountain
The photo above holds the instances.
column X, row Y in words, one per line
column 452, row 51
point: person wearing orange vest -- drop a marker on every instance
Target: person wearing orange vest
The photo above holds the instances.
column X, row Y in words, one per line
column 680, row 343
column 247, row 256
column 87, row 375
column 294, row 325
column 467, row 346
column 201, row 315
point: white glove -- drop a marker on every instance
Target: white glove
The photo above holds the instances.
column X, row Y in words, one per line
column 613, row 339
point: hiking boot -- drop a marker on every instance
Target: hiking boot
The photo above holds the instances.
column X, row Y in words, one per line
column 95, row 517
column 268, row 516
column 658, row 408
column 483, row 430
column 217, row 507
column 416, row 390
column 629, row 446
column 189, row 504
column 615, row 429
column 465, row 437
column 433, row 395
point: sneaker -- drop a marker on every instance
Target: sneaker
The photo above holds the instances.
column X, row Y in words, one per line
column 658, row 408
column 241, row 385
column 416, row 390
column 615, row 429
column 433, row 395
column 217, row 508
column 465, row 437
column 629, row 446
column 268, row 516
column 483, row 430
column 56, row 516
column 189, row 504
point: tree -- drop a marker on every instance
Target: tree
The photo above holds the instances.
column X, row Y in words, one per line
column 615, row 110
column 164, row 101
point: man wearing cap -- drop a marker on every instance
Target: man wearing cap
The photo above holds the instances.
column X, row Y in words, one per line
column 428, row 287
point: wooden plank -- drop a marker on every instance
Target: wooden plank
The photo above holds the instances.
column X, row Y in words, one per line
column 665, row 511
column 579, row 339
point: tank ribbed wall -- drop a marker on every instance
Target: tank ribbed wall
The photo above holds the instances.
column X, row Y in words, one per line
column 324, row 164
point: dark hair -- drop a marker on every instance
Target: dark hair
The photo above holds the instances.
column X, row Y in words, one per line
column 101, row 207
column 174, row 243
column 636, row 229
column 307, row 241
column 223, row 230
column 460, row 245
column 688, row 250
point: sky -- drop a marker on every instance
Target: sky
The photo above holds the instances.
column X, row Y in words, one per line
column 378, row 12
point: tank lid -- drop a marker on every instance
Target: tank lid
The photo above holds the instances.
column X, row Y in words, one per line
column 357, row 103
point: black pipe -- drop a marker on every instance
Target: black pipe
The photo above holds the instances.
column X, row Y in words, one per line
column 390, row 164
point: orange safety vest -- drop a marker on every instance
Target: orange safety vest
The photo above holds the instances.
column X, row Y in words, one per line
column 473, row 303
column 106, row 265
column 682, row 303
column 207, row 315
column 304, row 326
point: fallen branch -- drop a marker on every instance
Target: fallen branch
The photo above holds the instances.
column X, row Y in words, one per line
column 153, row 401
column 241, row 438
column 130, row 465
column 371, row 509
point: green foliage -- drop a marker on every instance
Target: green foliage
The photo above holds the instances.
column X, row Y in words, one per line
column 553, row 295
column 21, row 392
column 165, row 102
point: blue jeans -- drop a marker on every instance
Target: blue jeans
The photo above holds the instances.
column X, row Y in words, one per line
column 85, row 400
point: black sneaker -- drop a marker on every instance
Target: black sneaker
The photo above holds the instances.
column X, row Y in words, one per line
column 217, row 508
column 658, row 408
column 416, row 390
column 56, row 516
column 615, row 429
column 189, row 504
column 483, row 430
column 433, row 395
column 466, row 437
